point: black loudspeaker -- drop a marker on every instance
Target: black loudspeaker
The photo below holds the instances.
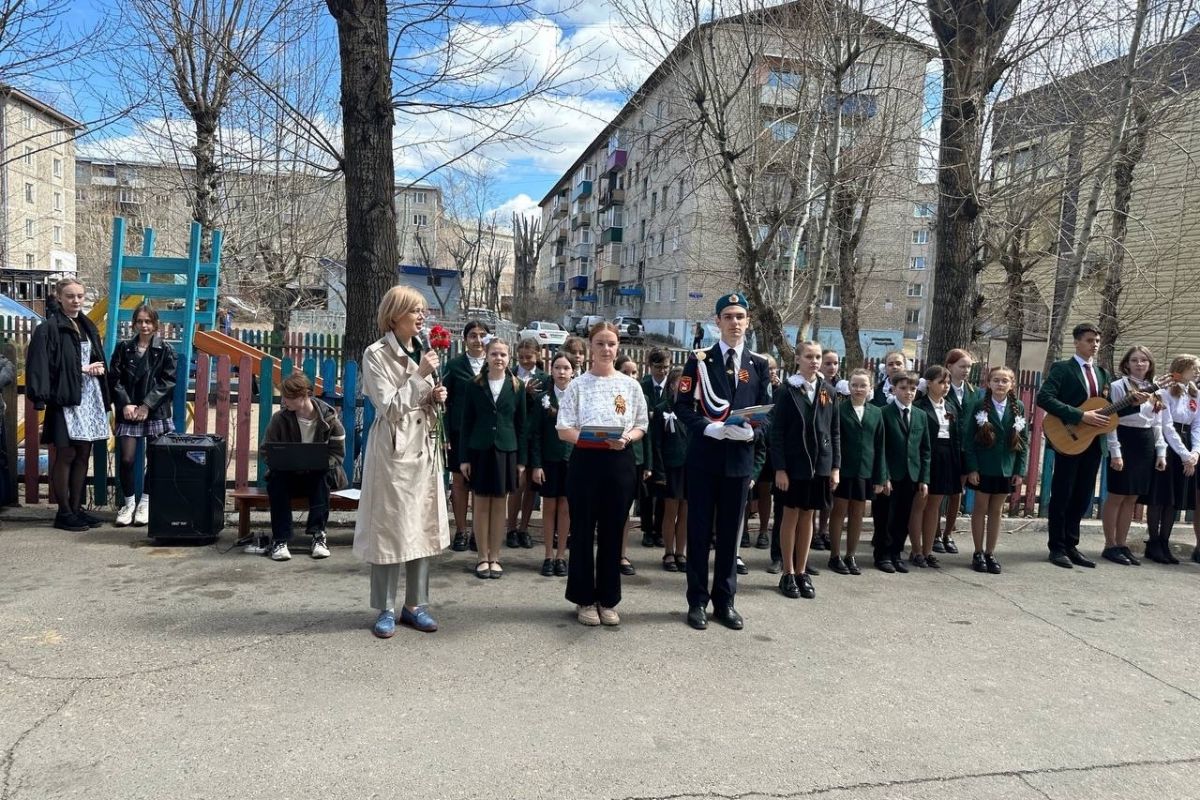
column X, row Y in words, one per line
column 186, row 486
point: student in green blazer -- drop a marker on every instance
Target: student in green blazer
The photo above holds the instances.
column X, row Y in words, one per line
column 535, row 381
column 906, row 445
column 548, row 458
column 864, row 470
column 996, row 454
column 1068, row 385
column 457, row 374
column 642, row 461
column 669, row 448
column 658, row 402
column 492, row 451
column 961, row 395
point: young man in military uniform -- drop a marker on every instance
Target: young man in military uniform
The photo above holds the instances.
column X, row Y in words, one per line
column 720, row 458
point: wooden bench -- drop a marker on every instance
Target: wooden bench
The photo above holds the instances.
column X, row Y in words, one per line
column 244, row 500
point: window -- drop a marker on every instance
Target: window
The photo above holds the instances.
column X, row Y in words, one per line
column 831, row 296
column 662, row 110
column 923, row 210
column 420, row 220
column 642, row 231
column 28, row 229
column 419, row 198
column 58, row 234
column 662, row 242
column 58, row 206
column 675, row 239
column 658, row 289
column 920, row 236
column 29, row 261
column 28, row 121
column 28, row 159
column 912, row 316
column 916, row 290
column 586, row 173
column 783, row 131
column 106, row 171
column 645, row 187
column 681, row 191
column 614, row 141
column 860, row 77
column 57, row 167
column 674, row 288
column 653, row 202
column 783, row 79
column 127, row 195
column 916, row 262
column 28, row 192
column 58, row 265
column 80, row 194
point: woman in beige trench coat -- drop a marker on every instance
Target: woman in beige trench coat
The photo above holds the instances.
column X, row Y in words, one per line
column 402, row 512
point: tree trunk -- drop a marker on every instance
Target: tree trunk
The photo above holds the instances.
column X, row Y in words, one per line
column 367, row 122
column 848, row 288
column 849, row 234
column 1128, row 157
column 1014, row 313
column 205, row 206
column 955, row 290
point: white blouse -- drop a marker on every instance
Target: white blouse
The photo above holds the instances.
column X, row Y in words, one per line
column 1146, row 417
column 496, row 386
column 1183, row 411
column 613, row 401
column 476, row 363
column 943, row 421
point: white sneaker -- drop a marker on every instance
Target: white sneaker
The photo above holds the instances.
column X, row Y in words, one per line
column 257, row 548
column 320, row 549
column 587, row 615
column 608, row 616
column 142, row 515
column 125, row 514
column 280, row 552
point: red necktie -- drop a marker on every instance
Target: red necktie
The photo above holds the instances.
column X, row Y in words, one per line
column 1087, row 371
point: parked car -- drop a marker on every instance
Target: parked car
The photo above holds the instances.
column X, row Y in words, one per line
column 585, row 324
column 630, row 329
column 547, row 334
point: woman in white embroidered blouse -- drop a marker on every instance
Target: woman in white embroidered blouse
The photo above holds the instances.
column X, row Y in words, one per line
column 601, row 397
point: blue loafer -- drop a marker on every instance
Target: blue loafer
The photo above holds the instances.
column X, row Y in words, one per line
column 418, row 619
column 385, row 626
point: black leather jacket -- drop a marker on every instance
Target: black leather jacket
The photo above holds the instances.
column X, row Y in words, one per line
column 148, row 381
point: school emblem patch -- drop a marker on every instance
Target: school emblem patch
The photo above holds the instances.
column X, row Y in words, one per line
column 619, row 404
column 685, row 385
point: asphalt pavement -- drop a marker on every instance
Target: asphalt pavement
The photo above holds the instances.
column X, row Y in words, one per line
column 129, row 670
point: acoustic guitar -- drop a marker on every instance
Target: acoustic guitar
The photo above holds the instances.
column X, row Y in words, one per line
column 1072, row 440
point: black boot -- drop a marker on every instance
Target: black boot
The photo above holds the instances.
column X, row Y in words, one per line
column 1164, row 541
column 1154, row 550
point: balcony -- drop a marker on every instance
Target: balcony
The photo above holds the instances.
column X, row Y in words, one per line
column 581, row 220
column 561, row 234
column 612, row 197
column 859, row 106
column 558, row 208
column 613, row 235
column 608, row 275
column 780, row 96
column 583, row 189
column 562, row 287
column 560, row 259
column 584, row 250
column 616, row 161
column 579, row 283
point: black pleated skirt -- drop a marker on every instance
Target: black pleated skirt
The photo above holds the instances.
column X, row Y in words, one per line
column 493, row 472
column 945, row 468
column 1137, row 451
column 1171, row 487
column 676, row 488
column 810, row 495
column 994, row 484
column 854, row 489
column 555, row 484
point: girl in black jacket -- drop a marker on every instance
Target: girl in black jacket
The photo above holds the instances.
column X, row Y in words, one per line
column 64, row 367
column 142, row 379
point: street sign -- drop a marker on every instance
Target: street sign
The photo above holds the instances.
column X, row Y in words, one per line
column 695, row 295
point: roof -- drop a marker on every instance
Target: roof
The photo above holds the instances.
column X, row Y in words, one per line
column 45, row 108
column 664, row 68
column 401, row 269
column 11, row 308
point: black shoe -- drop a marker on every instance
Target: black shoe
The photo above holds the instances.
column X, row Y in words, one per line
column 918, row 560
column 979, row 564
column 932, row 562
column 807, row 590
column 510, row 540
column 647, row 539
column 697, row 617
column 548, row 567
column 788, row 587
column 1154, row 551
column 818, row 543
column 1168, row 556
column 885, row 566
column 658, row 540
column 763, row 542
column 94, row 521
column 669, row 564
column 852, row 565
column 1078, row 560
column 1116, row 555
column 837, row 565
column 472, row 544
column 993, row 566
column 70, row 522
column 1133, row 560
column 460, row 542
column 1196, row 555
column 938, row 547
column 742, row 569
column 627, row 567
column 900, row 566
column 950, row 546
column 560, row 568
column 525, row 540
column 1061, row 560
column 776, row 567
column 745, row 539
column 811, row 570
column 729, row 617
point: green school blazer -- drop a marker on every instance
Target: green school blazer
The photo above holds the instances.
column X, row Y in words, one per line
column 864, row 454
column 907, row 454
column 998, row 460
column 1064, row 390
column 544, row 445
column 499, row 423
column 456, row 377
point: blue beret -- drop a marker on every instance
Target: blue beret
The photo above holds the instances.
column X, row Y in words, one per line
column 732, row 299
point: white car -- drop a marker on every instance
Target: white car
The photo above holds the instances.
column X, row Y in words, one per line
column 547, row 334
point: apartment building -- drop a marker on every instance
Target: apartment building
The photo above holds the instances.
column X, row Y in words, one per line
column 1047, row 144
column 37, row 191
column 640, row 224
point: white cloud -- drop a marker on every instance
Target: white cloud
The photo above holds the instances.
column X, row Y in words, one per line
column 522, row 204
